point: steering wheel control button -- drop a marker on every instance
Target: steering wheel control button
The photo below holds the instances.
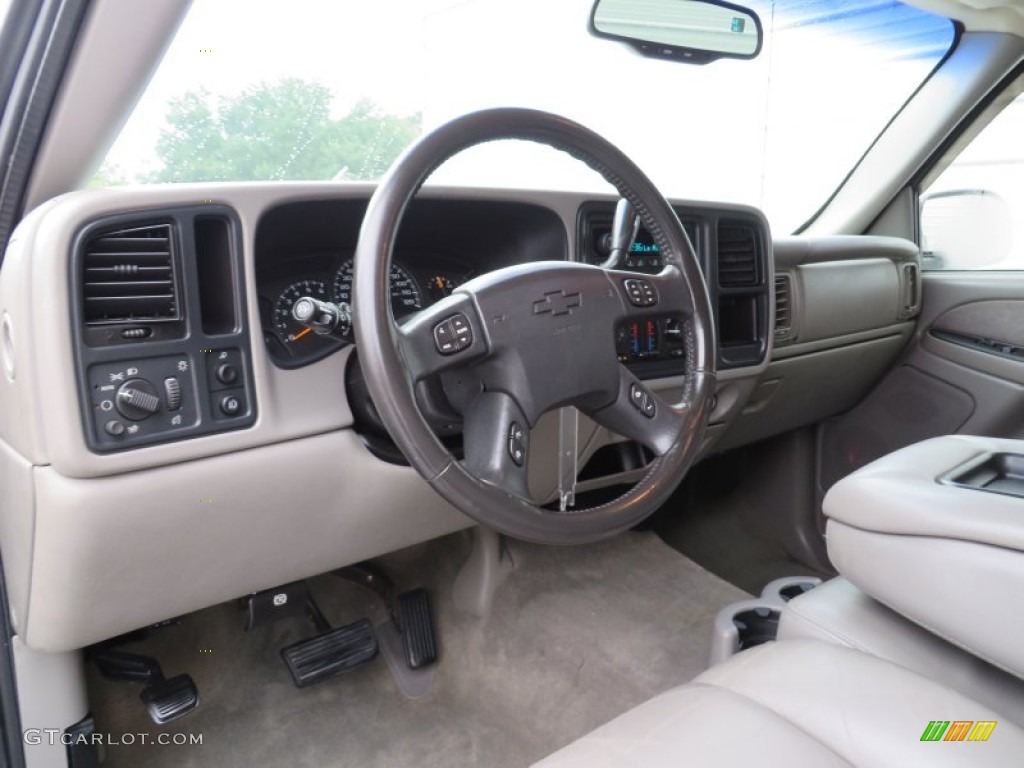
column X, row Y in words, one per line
column 649, row 408
column 444, row 338
column 463, row 332
column 114, row 428
column 517, row 443
column 453, row 334
column 637, row 396
column 172, row 393
column 641, row 293
column 642, row 400
column 137, row 399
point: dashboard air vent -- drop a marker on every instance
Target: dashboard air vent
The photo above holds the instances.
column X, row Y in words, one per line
column 737, row 254
column 783, row 304
column 128, row 276
column 911, row 288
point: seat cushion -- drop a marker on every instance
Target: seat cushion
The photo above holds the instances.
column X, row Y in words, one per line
column 838, row 612
column 797, row 703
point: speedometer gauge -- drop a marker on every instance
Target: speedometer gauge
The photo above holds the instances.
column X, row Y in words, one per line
column 406, row 296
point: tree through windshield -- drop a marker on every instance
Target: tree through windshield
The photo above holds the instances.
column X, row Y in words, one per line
column 314, row 89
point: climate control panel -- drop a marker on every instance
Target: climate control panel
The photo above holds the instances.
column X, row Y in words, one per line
column 651, row 346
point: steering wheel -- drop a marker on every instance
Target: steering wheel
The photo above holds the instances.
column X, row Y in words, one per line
column 515, row 343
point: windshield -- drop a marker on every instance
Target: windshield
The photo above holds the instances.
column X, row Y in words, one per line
column 321, row 89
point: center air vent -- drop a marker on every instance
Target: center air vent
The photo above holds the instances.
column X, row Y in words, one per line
column 737, row 254
column 128, row 276
column 783, row 304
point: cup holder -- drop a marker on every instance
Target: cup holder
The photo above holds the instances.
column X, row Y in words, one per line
column 783, row 590
column 756, row 626
column 748, row 623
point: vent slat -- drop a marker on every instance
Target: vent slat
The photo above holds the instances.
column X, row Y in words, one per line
column 128, row 276
column 782, row 303
column 737, row 254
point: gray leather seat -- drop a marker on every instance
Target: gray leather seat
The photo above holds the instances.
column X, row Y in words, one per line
column 797, row 703
column 839, row 613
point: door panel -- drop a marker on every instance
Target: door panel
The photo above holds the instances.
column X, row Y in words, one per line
column 962, row 372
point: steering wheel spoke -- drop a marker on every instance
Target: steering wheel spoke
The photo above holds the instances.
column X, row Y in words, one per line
column 447, row 335
column 643, row 415
column 495, row 440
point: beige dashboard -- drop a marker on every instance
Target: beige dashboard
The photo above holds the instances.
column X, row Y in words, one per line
column 99, row 542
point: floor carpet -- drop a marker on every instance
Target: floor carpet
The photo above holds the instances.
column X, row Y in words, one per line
column 577, row 635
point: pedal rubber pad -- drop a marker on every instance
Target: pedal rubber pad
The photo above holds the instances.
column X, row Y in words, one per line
column 331, row 653
column 168, row 700
column 415, row 621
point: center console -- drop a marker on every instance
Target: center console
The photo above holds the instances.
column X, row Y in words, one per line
column 732, row 247
column 935, row 532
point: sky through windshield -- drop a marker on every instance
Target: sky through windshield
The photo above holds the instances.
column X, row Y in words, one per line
column 779, row 132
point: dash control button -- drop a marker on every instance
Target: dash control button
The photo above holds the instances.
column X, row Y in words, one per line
column 517, row 443
column 227, row 373
column 172, row 393
column 230, row 405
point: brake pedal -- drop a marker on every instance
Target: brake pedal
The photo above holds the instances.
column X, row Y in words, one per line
column 167, row 700
column 331, row 653
column 415, row 620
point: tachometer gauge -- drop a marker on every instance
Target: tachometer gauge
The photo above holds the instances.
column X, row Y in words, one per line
column 295, row 336
column 406, row 296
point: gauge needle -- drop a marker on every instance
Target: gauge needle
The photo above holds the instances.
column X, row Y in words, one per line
column 300, row 334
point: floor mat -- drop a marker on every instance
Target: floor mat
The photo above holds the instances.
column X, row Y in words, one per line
column 577, row 636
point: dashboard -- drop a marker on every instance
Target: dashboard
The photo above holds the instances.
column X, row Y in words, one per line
column 154, row 392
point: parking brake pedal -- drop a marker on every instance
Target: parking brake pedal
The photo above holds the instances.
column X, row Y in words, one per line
column 415, row 621
column 330, row 653
column 165, row 699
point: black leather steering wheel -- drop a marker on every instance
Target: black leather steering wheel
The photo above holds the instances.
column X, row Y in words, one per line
column 518, row 342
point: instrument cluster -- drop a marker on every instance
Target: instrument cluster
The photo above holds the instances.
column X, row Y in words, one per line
column 415, row 283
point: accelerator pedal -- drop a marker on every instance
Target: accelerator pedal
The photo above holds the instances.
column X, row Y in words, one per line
column 415, row 620
column 330, row 653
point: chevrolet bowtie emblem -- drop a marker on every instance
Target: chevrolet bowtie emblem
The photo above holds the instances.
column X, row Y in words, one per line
column 558, row 303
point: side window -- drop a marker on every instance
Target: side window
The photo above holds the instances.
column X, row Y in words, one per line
column 972, row 206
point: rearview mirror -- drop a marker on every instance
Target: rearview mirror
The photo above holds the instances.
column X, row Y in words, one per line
column 694, row 31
